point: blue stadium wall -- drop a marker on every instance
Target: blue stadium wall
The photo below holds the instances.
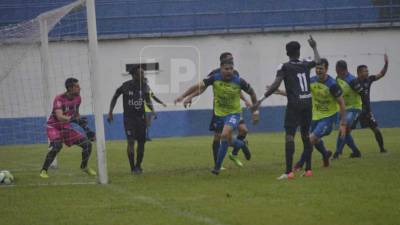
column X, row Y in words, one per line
column 176, row 123
column 125, row 18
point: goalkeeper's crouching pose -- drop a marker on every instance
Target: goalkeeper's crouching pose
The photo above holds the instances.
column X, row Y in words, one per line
column 59, row 129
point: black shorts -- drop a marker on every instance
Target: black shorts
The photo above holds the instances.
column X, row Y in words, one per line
column 213, row 124
column 135, row 129
column 366, row 119
column 298, row 115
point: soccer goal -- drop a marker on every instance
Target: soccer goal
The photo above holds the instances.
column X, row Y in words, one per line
column 36, row 57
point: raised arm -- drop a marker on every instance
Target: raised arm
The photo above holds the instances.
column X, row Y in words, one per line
column 313, row 45
column 384, row 69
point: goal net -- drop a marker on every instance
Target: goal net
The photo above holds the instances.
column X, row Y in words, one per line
column 36, row 57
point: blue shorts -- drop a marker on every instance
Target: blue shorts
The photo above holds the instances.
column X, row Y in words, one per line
column 231, row 120
column 323, row 127
column 351, row 116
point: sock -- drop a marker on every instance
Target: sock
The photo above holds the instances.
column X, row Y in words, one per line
column 215, row 147
column 130, row 150
column 350, row 142
column 86, row 150
column 235, row 149
column 321, row 148
column 140, row 154
column 51, row 155
column 307, row 152
column 223, row 148
column 379, row 138
column 289, row 151
column 340, row 144
column 300, row 163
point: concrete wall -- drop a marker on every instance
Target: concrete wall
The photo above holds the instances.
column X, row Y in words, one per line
column 256, row 58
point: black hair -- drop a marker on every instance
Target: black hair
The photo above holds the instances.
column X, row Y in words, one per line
column 360, row 67
column 134, row 70
column 341, row 64
column 324, row 62
column 224, row 55
column 69, row 82
column 293, row 48
column 226, row 62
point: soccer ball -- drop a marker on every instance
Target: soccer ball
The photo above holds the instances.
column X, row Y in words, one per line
column 6, row 177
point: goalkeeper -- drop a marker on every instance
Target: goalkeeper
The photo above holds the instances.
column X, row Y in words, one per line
column 59, row 129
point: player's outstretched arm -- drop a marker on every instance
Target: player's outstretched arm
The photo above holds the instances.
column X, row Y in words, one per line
column 384, row 69
column 186, row 93
column 112, row 106
column 188, row 101
column 342, row 114
column 156, row 99
column 273, row 87
column 277, row 92
column 313, row 45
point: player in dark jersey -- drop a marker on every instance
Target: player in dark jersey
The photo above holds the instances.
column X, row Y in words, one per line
column 366, row 117
column 59, row 128
column 296, row 76
column 135, row 93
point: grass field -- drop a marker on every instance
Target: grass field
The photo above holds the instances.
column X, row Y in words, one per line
column 178, row 188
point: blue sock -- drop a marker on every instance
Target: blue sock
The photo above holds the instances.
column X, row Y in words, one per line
column 340, row 144
column 223, row 148
column 321, row 148
column 350, row 143
column 236, row 149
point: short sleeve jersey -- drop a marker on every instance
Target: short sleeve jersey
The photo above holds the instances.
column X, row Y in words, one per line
column 352, row 90
column 324, row 95
column 133, row 94
column 296, row 76
column 226, row 93
column 69, row 107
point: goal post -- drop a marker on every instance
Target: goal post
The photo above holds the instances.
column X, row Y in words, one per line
column 38, row 55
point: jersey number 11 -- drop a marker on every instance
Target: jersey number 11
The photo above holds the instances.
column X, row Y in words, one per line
column 303, row 82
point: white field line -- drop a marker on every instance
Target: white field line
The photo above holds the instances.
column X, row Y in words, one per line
column 154, row 202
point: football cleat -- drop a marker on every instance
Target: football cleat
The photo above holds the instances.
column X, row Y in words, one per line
column 326, row 158
column 308, row 173
column 44, row 174
column 286, row 176
column 235, row 160
column 89, row 171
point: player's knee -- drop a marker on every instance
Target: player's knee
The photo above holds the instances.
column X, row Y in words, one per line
column 217, row 136
column 86, row 145
column 313, row 139
column 289, row 138
column 55, row 146
column 243, row 130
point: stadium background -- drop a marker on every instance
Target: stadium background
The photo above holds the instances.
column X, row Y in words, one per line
column 254, row 31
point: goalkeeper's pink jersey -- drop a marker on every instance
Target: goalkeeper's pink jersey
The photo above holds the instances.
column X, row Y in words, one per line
column 69, row 107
